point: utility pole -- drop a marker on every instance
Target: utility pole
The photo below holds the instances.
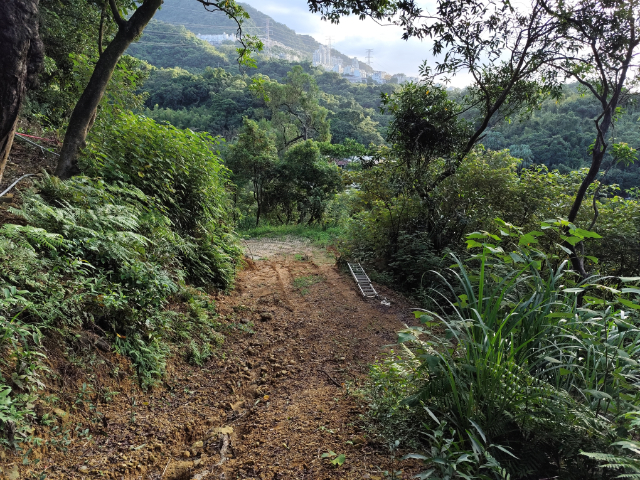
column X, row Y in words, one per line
column 369, row 52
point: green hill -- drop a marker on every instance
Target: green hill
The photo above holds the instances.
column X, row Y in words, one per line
column 195, row 18
column 167, row 46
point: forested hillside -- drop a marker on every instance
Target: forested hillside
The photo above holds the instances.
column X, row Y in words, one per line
column 559, row 134
column 180, row 227
column 167, row 46
column 189, row 14
column 201, row 87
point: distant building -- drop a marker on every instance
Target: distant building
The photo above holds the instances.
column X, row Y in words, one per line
column 217, row 39
column 379, row 77
column 402, row 78
column 321, row 57
column 353, row 73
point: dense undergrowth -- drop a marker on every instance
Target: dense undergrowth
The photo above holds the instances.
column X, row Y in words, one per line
column 401, row 235
column 114, row 252
column 524, row 371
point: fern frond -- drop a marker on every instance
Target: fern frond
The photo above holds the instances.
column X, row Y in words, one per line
column 29, row 236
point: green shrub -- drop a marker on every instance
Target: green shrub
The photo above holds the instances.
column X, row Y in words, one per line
column 180, row 171
column 20, row 361
column 110, row 252
column 93, row 254
column 116, row 232
column 523, row 350
column 404, row 233
column 148, row 356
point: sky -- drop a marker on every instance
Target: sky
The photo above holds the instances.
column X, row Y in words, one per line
column 351, row 36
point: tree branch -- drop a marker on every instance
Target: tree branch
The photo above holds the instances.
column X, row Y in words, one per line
column 101, row 31
column 236, row 13
column 116, row 14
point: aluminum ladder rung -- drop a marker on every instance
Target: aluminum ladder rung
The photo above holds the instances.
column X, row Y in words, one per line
column 362, row 280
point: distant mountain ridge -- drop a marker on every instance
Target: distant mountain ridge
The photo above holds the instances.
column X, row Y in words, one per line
column 195, row 18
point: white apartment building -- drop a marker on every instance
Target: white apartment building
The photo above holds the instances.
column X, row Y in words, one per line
column 321, row 56
column 379, row 76
column 217, row 39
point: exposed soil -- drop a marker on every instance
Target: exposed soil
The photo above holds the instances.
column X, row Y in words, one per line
column 23, row 159
column 27, row 158
column 272, row 401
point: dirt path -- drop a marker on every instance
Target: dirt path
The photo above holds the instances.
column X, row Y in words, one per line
column 275, row 402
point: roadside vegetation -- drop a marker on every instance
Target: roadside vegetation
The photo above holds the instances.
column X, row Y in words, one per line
column 112, row 253
column 322, row 237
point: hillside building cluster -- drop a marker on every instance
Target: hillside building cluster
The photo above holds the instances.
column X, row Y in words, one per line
column 273, row 48
column 217, row 39
column 322, row 58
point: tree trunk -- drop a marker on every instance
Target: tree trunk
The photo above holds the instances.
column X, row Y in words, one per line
column 21, row 57
column 257, row 194
column 599, row 149
column 85, row 110
column 577, row 261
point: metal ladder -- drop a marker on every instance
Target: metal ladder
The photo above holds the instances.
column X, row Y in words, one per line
column 364, row 283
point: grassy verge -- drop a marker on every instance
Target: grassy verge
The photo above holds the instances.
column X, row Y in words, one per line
column 317, row 235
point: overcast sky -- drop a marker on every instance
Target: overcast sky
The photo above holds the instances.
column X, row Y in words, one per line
column 351, row 37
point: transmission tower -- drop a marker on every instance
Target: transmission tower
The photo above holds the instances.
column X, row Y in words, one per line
column 268, row 38
column 369, row 52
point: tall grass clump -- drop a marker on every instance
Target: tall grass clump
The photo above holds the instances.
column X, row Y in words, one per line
column 523, row 361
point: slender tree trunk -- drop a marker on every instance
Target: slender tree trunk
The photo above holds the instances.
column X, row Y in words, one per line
column 258, row 215
column 596, row 163
column 85, row 110
column 599, row 149
column 21, row 56
column 577, row 260
column 256, row 188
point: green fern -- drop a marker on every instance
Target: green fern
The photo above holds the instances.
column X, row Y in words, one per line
column 29, row 236
column 629, row 463
column 524, row 363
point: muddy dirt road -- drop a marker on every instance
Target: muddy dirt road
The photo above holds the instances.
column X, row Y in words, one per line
column 274, row 399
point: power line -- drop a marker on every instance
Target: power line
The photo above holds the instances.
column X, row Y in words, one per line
column 244, row 27
column 369, row 51
column 172, row 44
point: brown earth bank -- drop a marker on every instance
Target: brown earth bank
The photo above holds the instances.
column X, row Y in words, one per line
column 25, row 158
column 277, row 395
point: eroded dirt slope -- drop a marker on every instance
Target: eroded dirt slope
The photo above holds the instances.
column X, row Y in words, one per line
column 268, row 406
